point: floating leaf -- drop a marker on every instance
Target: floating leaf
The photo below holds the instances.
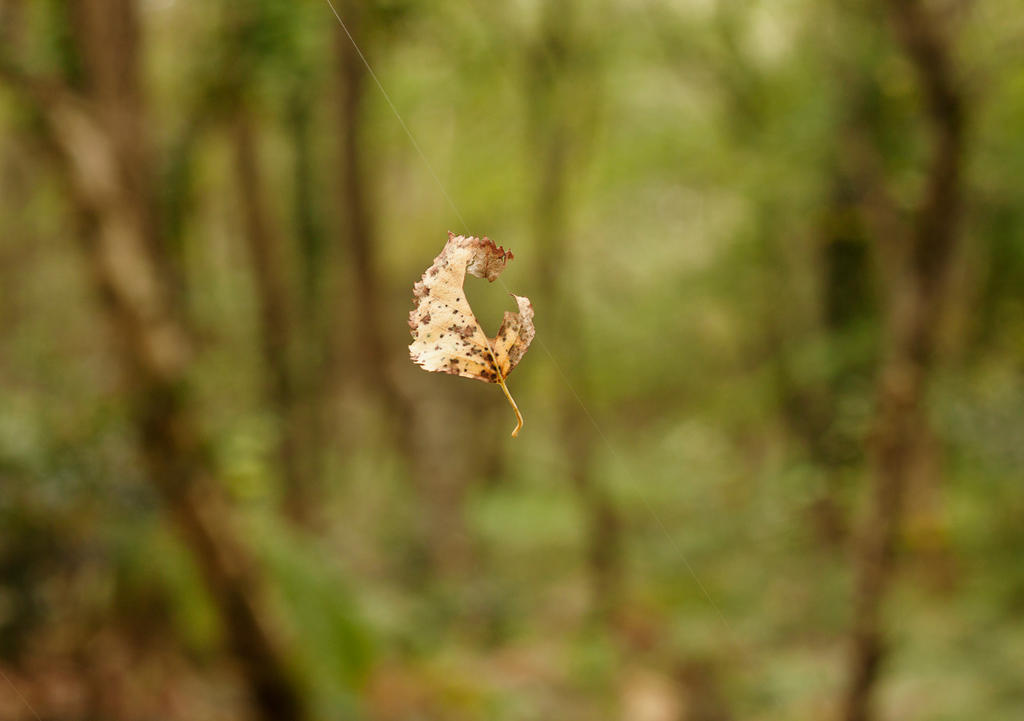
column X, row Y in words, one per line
column 446, row 335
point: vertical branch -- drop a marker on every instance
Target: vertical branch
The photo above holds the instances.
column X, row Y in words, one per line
column 433, row 477
column 359, row 232
column 12, row 22
column 553, row 129
column 915, row 308
column 810, row 406
column 312, row 345
column 272, row 295
column 305, row 209
column 155, row 350
column 427, row 444
column 98, row 139
column 106, row 36
column 287, row 380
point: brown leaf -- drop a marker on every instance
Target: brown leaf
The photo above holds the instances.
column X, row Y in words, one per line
column 446, row 335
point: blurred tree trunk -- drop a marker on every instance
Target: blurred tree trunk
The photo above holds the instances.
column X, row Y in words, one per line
column 439, row 533
column 314, row 356
column 847, row 304
column 440, row 461
column 265, row 249
column 155, row 349
column 105, row 34
column 359, row 237
column 305, row 208
column 554, row 124
column 176, row 192
column 13, row 185
column 12, row 23
column 293, row 380
column 811, row 405
column 920, row 267
column 98, row 137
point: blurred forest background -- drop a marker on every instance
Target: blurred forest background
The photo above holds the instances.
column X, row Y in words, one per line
column 773, row 460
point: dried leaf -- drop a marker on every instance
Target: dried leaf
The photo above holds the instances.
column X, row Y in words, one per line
column 446, row 335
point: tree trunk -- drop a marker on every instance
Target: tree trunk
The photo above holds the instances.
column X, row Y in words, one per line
column 426, row 445
column 155, row 351
column 845, row 301
column 264, row 247
column 106, row 35
column 313, row 345
column 12, row 23
column 106, row 174
column 554, row 125
column 914, row 314
column 359, row 233
column 359, row 237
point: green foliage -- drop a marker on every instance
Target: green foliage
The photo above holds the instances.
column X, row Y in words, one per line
column 723, row 290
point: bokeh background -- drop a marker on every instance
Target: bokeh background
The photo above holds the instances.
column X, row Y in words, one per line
column 773, row 460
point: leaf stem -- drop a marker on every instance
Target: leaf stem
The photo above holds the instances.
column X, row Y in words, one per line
column 501, row 382
column 519, row 416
